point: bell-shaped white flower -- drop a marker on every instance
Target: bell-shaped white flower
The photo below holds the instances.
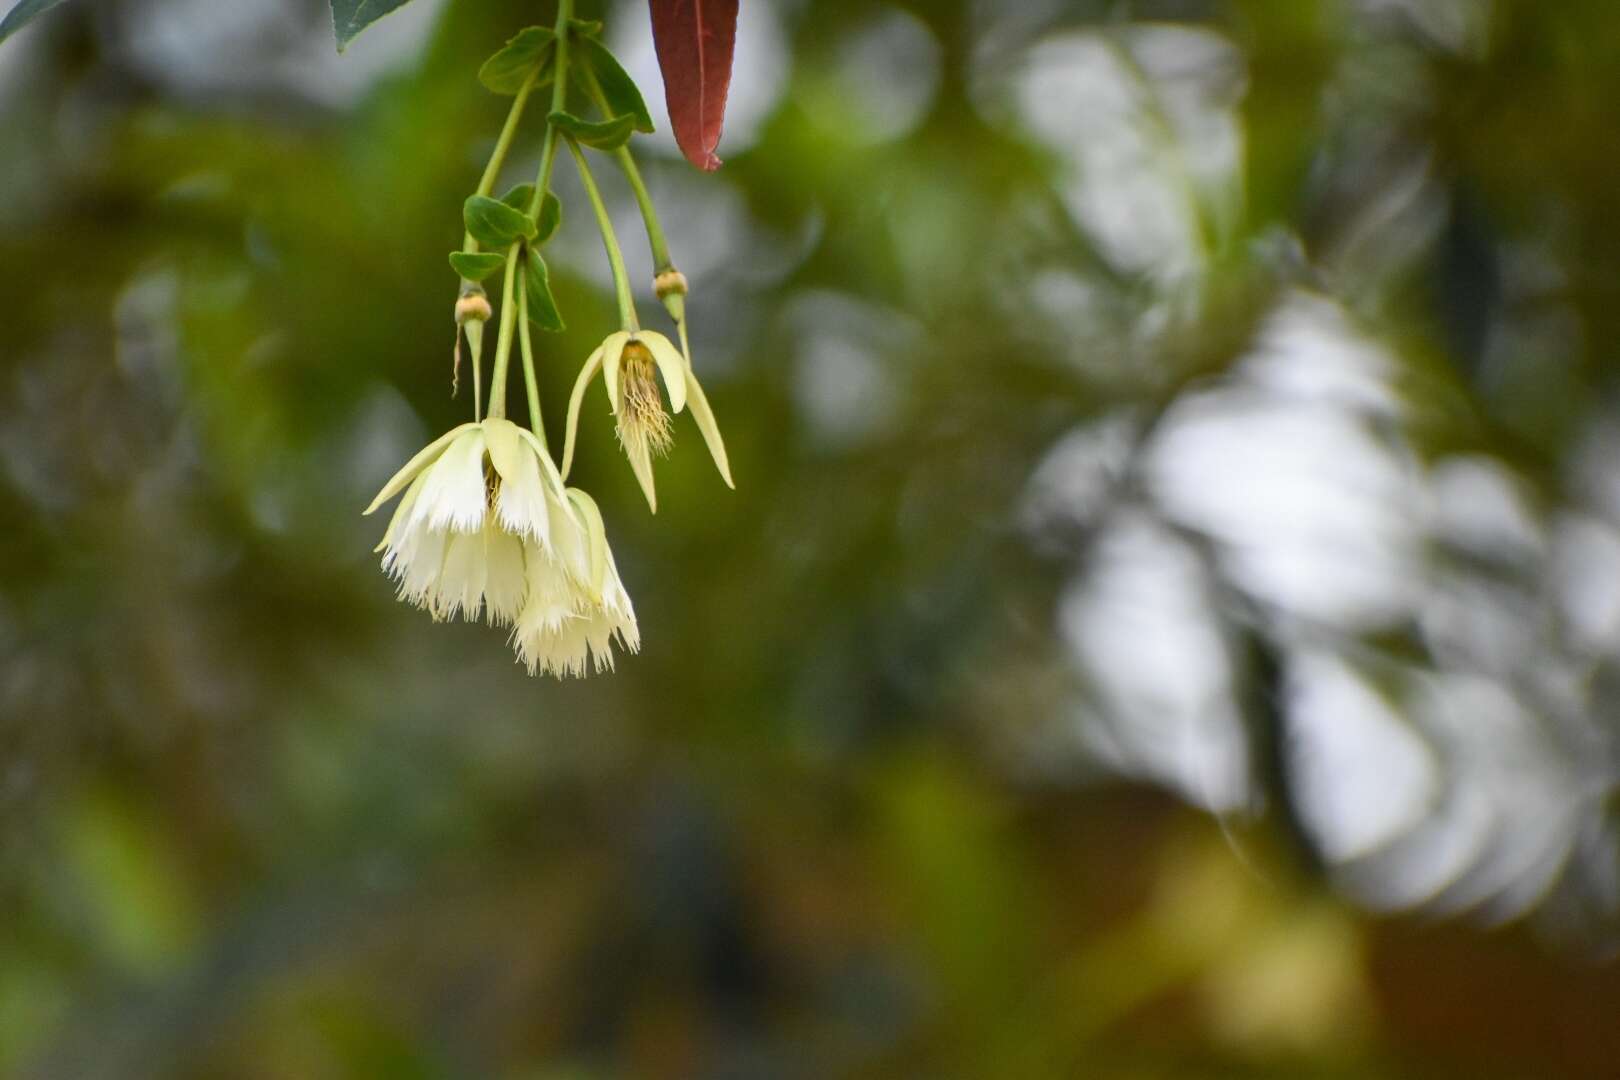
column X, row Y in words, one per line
column 631, row 364
column 478, row 508
column 576, row 605
column 486, row 527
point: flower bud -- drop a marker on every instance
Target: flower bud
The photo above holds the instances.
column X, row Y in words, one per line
column 472, row 307
column 670, row 282
column 670, row 285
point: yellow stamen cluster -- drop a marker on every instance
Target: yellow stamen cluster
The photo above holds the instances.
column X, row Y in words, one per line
column 643, row 422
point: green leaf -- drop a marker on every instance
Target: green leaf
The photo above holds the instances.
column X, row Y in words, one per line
column 349, row 17
column 494, row 224
column 476, row 265
column 550, row 218
column 519, row 197
column 542, row 305
column 525, row 54
column 604, row 135
column 623, row 97
column 23, row 14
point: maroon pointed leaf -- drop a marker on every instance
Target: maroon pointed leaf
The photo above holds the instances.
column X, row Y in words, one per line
column 695, row 41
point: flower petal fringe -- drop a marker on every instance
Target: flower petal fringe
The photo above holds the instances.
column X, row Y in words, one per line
column 486, row 528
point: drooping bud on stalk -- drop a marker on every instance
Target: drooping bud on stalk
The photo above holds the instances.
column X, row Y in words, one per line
column 472, row 307
column 472, row 312
column 670, row 285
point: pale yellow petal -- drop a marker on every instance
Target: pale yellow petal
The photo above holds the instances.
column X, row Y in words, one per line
column 597, row 533
column 570, row 540
column 521, row 505
column 419, row 573
column 460, row 588
column 424, row 457
column 506, row 585
column 400, row 513
column 575, row 400
column 612, row 350
column 453, row 496
column 704, row 415
column 640, row 459
column 671, row 365
column 548, row 469
column 501, row 437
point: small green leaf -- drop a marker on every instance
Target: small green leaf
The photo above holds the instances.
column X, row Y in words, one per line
column 23, row 14
column 494, row 224
column 623, row 97
column 550, row 218
column 542, row 305
column 349, row 17
column 585, row 27
column 520, row 57
column 519, row 197
column 476, row 265
column 603, row 135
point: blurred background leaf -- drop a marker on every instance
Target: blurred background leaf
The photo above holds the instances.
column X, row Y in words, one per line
column 349, row 17
column 21, row 13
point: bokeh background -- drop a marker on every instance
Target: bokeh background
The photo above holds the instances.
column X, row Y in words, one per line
column 1166, row 625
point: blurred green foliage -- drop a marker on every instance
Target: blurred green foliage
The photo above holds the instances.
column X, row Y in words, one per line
column 258, row 819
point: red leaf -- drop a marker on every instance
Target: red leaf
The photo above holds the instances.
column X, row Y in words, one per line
column 695, row 41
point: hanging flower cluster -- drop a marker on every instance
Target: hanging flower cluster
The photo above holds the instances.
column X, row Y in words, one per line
column 486, row 526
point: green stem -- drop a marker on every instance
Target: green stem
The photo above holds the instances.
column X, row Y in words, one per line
column 559, row 103
column 475, row 344
column 610, row 241
column 503, row 345
column 649, row 216
column 548, row 154
column 497, row 158
column 486, row 184
column 536, row 423
column 655, row 231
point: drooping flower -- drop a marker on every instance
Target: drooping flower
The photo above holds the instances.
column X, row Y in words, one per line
column 570, row 620
column 486, row 527
column 631, row 364
column 475, row 499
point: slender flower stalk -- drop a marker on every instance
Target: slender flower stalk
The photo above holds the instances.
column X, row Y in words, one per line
column 537, row 423
column 503, row 144
column 610, row 242
column 649, row 216
column 503, row 345
column 473, row 326
column 559, row 102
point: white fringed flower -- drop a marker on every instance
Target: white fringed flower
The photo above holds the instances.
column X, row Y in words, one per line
column 576, row 605
column 486, row 527
column 477, row 500
column 631, row 365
